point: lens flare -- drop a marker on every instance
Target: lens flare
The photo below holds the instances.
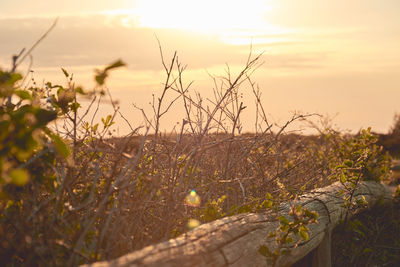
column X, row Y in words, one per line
column 193, row 199
column 193, row 223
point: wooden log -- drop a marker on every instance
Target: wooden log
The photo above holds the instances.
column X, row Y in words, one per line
column 235, row 241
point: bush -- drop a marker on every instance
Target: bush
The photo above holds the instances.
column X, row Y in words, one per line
column 73, row 193
column 391, row 141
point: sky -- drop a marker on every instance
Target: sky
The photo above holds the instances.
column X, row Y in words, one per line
column 338, row 58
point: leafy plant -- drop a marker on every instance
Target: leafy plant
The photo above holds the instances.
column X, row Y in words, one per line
column 72, row 192
column 359, row 159
column 289, row 233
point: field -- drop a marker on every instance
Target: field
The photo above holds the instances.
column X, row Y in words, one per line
column 73, row 193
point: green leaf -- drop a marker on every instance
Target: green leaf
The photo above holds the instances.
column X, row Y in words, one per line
column 24, row 95
column 267, row 204
column 343, row 178
column 298, row 208
column 283, row 220
column 116, row 64
column 100, row 77
column 74, row 106
column 288, row 240
column 348, row 163
column 9, row 79
column 311, row 214
column 303, row 232
column 367, row 250
column 364, row 200
column 79, row 90
column 60, row 146
column 94, row 128
column 264, row 250
column 65, row 72
column 44, row 116
column 106, row 121
column 19, row 176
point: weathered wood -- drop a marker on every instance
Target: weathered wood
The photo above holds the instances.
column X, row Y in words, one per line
column 235, row 240
column 322, row 254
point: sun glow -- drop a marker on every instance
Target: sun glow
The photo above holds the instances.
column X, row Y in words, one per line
column 208, row 16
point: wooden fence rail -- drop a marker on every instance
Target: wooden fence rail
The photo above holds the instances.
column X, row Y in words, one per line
column 235, row 241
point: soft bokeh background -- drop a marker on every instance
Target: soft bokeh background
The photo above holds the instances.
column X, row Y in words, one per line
column 337, row 58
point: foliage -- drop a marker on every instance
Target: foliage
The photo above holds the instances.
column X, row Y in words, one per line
column 23, row 132
column 359, row 159
column 369, row 239
column 289, row 233
column 30, row 152
column 344, row 158
column 391, row 140
column 73, row 193
column 213, row 210
column 28, row 148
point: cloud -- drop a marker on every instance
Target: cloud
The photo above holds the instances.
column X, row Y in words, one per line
column 25, row 9
column 100, row 39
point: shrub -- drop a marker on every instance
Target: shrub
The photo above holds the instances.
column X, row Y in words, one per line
column 73, row 193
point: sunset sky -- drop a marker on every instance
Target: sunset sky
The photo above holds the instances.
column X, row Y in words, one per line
column 337, row 58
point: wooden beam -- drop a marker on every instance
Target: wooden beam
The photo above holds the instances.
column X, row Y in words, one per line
column 234, row 241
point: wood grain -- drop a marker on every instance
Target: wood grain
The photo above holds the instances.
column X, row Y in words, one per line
column 234, row 241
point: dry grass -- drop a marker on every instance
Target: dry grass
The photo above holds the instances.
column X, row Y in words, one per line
column 116, row 195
